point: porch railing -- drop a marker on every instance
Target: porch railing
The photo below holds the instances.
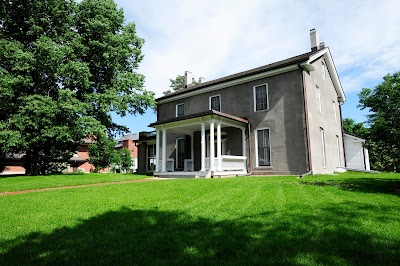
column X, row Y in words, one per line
column 228, row 163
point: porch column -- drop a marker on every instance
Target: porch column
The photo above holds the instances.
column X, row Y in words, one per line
column 191, row 147
column 244, row 141
column 244, row 148
column 164, row 151
column 212, row 152
column 157, row 150
column 219, row 158
column 203, row 147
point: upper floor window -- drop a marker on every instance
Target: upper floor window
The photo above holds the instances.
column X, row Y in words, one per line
column 215, row 103
column 180, row 110
column 260, row 93
column 323, row 154
column 323, row 71
column 334, row 111
column 318, row 94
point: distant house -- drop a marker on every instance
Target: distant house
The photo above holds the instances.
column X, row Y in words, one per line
column 281, row 118
column 79, row 162
column 130, row 142
column 356, row 155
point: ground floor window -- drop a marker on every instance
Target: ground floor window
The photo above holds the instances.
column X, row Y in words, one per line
column 151, row 157
column 263, row 147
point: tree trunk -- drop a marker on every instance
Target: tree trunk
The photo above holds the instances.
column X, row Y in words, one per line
column 32, row 162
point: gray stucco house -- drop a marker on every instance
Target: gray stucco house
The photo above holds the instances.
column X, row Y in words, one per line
column 281, row 118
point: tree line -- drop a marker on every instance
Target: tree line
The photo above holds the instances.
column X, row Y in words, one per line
column 382, row 128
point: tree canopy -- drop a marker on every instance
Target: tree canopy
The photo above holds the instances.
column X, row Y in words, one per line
column 178, row 84
column 383, row 102
column 64, row 67
column 355, row 129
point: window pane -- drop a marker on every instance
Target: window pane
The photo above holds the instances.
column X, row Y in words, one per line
column 215, row 103
column 263, row 147
column 180, row 110
column 261, row 97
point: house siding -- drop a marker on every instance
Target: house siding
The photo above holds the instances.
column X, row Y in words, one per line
column 285, row 119
column 324, row 119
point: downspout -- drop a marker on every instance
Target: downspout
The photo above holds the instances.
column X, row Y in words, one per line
column 249, row 145
column 341, row 125
column 306, row 121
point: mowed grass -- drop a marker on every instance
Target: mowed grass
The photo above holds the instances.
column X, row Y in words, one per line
column 16, row 183
column 350, row 219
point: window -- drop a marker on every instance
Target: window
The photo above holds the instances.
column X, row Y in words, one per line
column 151, row 157
column 318, row 92
column 180, row 110
column 263, row 149
column 323, row 156
column 334, row 112
column 260, row 93
column 323, row 69
column 215, row 103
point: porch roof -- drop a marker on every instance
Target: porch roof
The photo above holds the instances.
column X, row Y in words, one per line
column 201, row 114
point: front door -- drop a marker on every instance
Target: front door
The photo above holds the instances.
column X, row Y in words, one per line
column 180, row 153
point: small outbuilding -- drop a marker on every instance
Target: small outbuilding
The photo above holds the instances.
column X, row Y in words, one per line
column 356, row 155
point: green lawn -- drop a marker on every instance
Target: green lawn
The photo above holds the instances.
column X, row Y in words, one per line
column 351, row 219
column 16, row 183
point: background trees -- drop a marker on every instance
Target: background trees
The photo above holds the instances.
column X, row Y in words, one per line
column 383, row 135
column 64, row 67
column 178, row 84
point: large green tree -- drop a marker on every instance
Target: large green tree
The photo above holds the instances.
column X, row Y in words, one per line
column 64, row 68
column 383, row 102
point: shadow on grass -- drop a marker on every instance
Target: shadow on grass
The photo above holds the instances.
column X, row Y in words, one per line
column 152, row 237
column 366, row 185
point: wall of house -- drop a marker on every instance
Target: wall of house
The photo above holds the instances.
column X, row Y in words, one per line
column 324, row 119
column 285, row 119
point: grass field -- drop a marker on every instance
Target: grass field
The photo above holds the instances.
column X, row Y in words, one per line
column 350, row 219
column 50, row 181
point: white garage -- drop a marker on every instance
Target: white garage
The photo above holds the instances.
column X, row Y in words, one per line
column 356, row 154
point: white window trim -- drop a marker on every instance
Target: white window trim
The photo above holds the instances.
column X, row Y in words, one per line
column 176, row 109
column 323, row 71
column 256, row 147
column 335, row 116
column 176, row 151
column 209, row 102
column 147, row 155
column 323, row 151
column 339, row 163
column 254, row 97
column 318, row 94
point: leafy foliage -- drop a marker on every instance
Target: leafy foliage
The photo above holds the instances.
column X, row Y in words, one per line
column 102, row 153
column 355, row 129
column 64, row 67
column 178, row 84
column 384, row 132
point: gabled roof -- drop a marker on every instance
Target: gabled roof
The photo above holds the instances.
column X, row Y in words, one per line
column 304, row 60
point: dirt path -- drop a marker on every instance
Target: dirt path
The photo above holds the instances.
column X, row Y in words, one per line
column 80, row 186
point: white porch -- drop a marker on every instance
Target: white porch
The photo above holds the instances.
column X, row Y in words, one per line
column 212, row 160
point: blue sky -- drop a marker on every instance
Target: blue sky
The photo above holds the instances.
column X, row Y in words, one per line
column 216, row 38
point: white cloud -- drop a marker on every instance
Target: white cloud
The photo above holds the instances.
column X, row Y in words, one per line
column 217, row 38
